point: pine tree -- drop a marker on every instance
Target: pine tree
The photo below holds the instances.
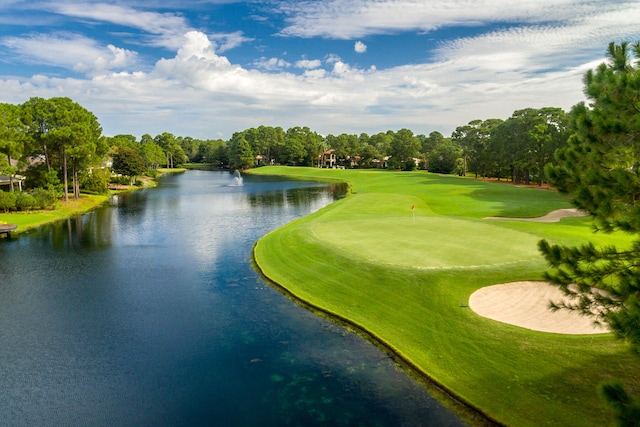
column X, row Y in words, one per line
column 600, row 169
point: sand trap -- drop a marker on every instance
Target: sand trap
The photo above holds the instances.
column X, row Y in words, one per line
column 526, row 304
column 553, row 216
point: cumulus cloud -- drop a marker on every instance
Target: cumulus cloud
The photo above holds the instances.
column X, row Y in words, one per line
column 308, row 63
column 199, row 93
column 535, row 57
column 360, row 47
column 70, row 51
column 271, row 64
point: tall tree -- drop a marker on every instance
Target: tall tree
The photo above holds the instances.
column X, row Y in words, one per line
column 474, row 139
column 36, row 115
column 381, row 141
column 129, row 162
column 404, row 147
column 445, row 157
column 12, row 132
column 600, row 169
column 76, row 133
column 173, row 151
column 523, row 144
column 240, row 154
column 293, row 152
column 66, row 132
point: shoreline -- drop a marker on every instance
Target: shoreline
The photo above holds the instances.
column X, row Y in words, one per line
column 396, row 305
column 467, row 412
column 66, row 210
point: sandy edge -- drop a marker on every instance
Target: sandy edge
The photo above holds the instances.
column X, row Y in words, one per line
column 526, row 304
column 553, row 216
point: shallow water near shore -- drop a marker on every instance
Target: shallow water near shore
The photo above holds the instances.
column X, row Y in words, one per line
column 148, row 312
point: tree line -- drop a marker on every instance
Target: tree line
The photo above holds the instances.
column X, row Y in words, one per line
column 517, row 148
column 58, row 145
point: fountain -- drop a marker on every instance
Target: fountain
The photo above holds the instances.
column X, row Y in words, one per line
column 237, row 179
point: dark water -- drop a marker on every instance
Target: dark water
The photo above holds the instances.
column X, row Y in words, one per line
column 148, row 312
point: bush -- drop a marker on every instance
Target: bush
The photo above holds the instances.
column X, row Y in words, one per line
column 120, row 180
column 46, row 199
column 96, row 181
column 409, row 165
column 26, row 202
column 7, row 201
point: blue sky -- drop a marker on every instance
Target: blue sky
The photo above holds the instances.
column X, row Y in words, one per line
column 208, row 68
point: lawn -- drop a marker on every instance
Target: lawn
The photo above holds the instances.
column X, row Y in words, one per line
column 29, row 220
column 405, row 275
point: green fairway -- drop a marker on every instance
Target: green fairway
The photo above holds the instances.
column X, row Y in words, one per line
column 405, row 275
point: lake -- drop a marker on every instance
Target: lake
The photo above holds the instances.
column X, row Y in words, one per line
column 148, row 312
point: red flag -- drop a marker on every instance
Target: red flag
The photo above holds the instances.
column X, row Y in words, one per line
column 413, row 207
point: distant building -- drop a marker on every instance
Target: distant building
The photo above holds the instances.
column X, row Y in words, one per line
column 380, row 164
column 327, row 159
column 7, row 180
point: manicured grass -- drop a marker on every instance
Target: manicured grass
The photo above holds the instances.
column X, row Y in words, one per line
column 405, row 277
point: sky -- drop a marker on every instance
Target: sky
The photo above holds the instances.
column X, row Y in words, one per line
column 209, row 68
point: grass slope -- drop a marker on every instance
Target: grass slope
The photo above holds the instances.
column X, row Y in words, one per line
column 405, row 276
column 29, row 220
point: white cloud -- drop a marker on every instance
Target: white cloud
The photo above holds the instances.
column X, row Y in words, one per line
column 360, row 47
column 348, row 19
column 70, row 51
column 271, row 64
column 167, row 28
column 229, row 41
column 308, row 63
column 199, row 92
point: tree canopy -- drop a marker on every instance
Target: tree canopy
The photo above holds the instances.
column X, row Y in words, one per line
column 600, row 169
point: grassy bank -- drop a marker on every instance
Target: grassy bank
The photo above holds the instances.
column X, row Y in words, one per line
column 29, row 220
column 405, row 276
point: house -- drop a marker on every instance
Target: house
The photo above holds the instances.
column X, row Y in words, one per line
column 380, row 164
column 16, row 179
column 327, row 159
column 354, row 161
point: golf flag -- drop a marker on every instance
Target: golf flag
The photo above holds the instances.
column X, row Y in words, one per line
column 413, row 207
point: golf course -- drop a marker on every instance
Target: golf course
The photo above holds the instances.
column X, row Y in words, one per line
column 399, row 258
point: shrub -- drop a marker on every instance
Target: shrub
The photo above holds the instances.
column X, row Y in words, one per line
column 26, row 202
column 409, row 165
column 7, row 201
column 96, row 181
column 120, row 180
column 46, row 199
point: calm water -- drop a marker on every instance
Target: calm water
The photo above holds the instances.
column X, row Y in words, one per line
column 148, row 312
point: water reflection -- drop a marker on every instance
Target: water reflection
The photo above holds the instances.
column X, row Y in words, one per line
column 148, row 312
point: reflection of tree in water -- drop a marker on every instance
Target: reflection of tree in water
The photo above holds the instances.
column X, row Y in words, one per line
column 297, row 196
column 87, row 231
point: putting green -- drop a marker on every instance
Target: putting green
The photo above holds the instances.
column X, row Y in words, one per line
column 427, row 241
column 403, row 275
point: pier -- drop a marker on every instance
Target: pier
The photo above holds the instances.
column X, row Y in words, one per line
column 6, row 229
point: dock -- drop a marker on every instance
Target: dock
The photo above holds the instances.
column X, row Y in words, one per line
column 6, row 229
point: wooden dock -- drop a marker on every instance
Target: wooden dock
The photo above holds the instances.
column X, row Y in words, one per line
column 6, row 229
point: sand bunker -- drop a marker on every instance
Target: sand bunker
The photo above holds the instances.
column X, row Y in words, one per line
column 553, row 216
column 526, row 304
